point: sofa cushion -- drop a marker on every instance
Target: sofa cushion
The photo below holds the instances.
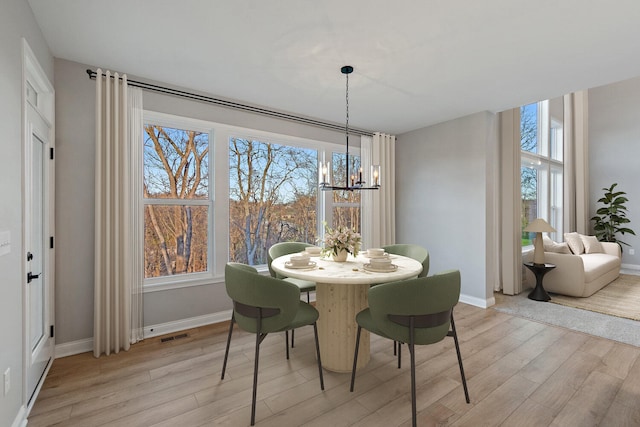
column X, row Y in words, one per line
column 595, row 265
column 591, row 245
column 551, row 246
column 575, row 243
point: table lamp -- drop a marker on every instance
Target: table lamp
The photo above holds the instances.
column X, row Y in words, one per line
column 539, row 226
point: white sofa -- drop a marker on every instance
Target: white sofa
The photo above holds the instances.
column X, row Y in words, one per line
column 580, row 275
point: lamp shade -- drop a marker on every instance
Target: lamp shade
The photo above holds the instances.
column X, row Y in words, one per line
column 539, row 225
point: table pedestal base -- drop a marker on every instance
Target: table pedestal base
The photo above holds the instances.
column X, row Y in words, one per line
column 338, row 305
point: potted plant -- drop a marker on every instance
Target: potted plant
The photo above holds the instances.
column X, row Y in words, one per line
column 611, row 216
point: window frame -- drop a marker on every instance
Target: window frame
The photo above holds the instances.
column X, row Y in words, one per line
column 188, row 279
column 219, row 136
column 547, row 166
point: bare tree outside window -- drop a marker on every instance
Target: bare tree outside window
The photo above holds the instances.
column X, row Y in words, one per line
column 529, row 142
column 177, row 202
column 529, row 128
column 272, row 197
column 528, row 175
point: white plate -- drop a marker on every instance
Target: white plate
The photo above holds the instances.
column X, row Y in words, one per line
column 311, row 264
column 390, row 269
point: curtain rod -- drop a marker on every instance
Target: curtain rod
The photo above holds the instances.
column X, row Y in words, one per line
column 238, row 106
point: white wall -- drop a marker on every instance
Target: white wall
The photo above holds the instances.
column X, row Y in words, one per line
column 443, row 201
column 16, row 21
column 614, row 152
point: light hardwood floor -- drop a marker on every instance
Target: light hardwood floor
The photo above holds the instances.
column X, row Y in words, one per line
column 519, row 372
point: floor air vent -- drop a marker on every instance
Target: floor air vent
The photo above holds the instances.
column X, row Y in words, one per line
column 175, row 337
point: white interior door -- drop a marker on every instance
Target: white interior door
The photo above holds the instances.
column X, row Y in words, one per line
column 39, row 337
column 38, row 220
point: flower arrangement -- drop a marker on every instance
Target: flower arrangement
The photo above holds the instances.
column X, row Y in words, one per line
column 341, row 238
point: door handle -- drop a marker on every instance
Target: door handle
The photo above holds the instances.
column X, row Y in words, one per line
column 30, row 277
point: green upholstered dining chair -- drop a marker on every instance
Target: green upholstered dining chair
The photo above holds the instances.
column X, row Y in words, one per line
column 285, row 248
column 412, row 251
column 417, row 312
column 261, row 305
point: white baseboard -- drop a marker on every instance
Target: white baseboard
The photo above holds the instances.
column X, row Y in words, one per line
column 478, row 302
column 74, row 347
column 181, row 325
column 630, row 266
column 21, row 418
column 85, row 345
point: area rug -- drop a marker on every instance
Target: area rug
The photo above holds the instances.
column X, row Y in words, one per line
column 620, row 298
column 602, row 325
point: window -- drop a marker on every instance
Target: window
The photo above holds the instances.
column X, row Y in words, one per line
column 273, row 197
column 178, row 205
column 265, row 188
column 541, row 179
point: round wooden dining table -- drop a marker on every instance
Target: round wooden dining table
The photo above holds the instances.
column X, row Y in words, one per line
column 341, row 293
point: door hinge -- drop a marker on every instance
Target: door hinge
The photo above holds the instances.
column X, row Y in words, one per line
column 51, row 242
column 51, row 153
column 51, row 331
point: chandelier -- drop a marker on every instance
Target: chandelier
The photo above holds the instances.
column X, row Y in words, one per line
column 353, row 181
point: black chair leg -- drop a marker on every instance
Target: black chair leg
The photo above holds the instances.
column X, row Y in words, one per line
column 455, row 340
column 226, row 352
column 413, row 372
column 308, row 298
column 315, row 333
column 399, row 354
column 355, row 359
column 255, row 376
column 286, row 340
column 413, row 385
column 395, row 344
column 292, row 345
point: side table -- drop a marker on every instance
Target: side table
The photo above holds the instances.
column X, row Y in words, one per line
column 539, row 270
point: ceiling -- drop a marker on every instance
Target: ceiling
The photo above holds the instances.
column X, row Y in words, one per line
column 416, row 62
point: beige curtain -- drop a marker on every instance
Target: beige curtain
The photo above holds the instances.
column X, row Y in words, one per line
column 136, row 235
column 510, row 271
column 379, row 206
column 116, row 243
column 576, row 154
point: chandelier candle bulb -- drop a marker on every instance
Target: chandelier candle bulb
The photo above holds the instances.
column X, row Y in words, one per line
column 324, row 173
column 375, row 175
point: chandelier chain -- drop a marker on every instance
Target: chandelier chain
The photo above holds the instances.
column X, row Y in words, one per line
column 347, row 99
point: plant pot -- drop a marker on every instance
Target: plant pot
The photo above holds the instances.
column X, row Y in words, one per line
column 341, row 257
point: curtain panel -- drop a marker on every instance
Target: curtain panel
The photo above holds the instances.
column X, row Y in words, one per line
column 379, row 206
column 117, row 281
